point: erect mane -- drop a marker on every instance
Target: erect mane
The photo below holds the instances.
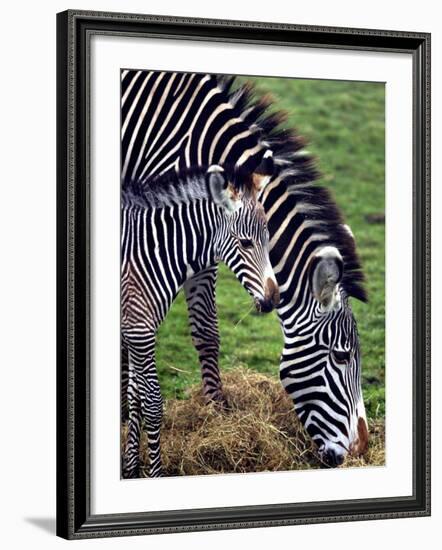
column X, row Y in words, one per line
column 286, row 144
column 165, row 189
column 298, row 173
column 173, row 187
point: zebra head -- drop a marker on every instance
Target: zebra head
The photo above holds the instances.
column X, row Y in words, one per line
column 243, row 240
column 321, row 364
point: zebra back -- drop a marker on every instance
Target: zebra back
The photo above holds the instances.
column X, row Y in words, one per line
column 173, row 121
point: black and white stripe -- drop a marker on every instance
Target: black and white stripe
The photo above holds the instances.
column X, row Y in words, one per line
column 317, row 270
column 171, row 230
column 172, row 121
column 189, row 119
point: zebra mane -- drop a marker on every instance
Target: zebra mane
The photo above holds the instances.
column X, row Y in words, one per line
column 167, row 189
column 298, row 172
column 317, row 205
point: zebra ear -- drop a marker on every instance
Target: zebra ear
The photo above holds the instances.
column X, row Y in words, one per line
column 222, row 192
column 264, row 172
column 325, row 273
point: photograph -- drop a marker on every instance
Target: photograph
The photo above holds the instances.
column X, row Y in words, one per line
column 252, row 274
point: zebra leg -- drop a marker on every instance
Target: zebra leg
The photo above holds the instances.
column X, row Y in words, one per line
column 152, row 414
column 145, row 406
column 200, row 296
column 131, row 452
column 124, row 382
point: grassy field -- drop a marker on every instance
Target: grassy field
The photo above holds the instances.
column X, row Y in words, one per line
column 344, row 124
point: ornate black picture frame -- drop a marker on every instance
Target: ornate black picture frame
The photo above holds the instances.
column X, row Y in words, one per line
column 74, row 518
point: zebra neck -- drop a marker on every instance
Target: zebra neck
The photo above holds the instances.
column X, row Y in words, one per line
column 173, row 242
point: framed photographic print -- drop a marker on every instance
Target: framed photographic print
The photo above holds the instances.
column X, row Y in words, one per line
column 243, row 274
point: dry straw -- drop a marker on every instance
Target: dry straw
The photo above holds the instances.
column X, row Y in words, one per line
column 258, row 432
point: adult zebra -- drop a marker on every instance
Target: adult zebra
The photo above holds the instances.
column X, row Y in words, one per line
column 171, row 121
column 172, row 229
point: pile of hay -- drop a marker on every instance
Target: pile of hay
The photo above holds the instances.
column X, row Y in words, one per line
column 258, row 432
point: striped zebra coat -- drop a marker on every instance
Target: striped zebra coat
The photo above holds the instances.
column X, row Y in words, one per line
column 172, row 229
column 173, row 121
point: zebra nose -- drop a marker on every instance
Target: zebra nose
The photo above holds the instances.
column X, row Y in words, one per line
column 333, row 457
column 272, row 293
column 264, row 306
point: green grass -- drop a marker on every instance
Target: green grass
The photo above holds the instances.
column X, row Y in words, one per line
column 344, row 125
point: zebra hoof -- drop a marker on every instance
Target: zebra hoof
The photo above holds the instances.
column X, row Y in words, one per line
column 219, row 401
column 223, row 405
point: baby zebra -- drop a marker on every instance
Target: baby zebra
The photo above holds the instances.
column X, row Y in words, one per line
column 173, row 228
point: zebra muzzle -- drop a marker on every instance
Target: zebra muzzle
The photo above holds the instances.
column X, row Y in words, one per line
column 267, row 305
column 271, row 298
column 263, row 306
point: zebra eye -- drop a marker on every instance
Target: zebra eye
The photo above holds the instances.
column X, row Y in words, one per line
column 246, row 243
column 341, row 356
